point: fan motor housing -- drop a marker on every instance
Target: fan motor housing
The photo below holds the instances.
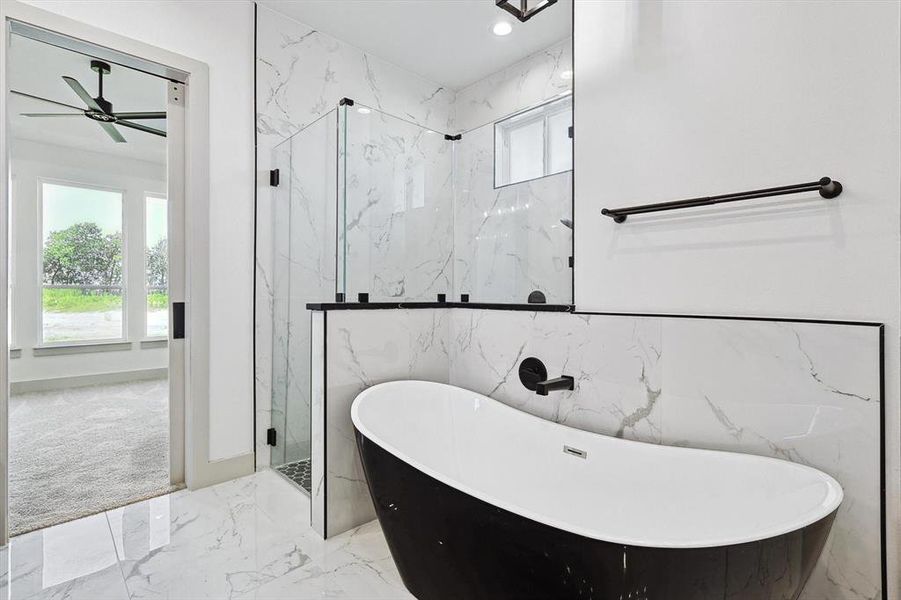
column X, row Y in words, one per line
column 100, row 116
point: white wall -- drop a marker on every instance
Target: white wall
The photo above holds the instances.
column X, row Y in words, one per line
column 29, row 162
column 221, row 35
column 683, row 99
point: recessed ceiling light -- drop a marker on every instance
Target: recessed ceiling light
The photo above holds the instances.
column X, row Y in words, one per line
column 501, row 28
column 363, row 110
column 566, row 75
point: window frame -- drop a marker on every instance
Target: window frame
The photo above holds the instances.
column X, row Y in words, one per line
column 144, row 197
column 543, row 114
column 39, row 301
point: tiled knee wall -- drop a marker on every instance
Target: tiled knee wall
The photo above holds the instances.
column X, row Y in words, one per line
column 804, row 392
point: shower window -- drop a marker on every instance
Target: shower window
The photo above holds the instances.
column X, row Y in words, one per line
column 534, row 143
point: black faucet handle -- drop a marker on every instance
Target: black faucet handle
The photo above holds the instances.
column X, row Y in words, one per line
column 564, row 382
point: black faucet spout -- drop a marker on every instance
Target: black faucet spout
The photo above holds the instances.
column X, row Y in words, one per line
column 564, row 382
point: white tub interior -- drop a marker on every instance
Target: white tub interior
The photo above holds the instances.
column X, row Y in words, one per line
column 622, row 491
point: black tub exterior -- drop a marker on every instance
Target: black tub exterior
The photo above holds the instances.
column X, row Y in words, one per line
column 450, row 545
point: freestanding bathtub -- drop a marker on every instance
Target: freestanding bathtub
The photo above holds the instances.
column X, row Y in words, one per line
column 480, row 500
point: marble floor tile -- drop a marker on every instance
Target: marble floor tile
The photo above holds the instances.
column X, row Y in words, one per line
column 75, row 560
column 247, row 538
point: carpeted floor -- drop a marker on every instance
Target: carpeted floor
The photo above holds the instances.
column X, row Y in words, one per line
column 80, row 451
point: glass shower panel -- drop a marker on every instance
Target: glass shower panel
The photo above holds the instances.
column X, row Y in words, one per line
column 509, row 241
column 281, row 160
column 397, row 201
column 305, row 222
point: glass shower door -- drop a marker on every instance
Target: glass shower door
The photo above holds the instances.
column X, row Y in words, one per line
column 281, row 160
column 304, row 230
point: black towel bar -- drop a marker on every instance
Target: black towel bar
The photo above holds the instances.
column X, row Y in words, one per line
column 825, row 186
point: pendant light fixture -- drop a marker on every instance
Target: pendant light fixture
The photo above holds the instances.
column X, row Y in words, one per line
column 526, row 9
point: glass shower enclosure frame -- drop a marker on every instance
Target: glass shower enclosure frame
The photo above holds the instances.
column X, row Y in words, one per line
column 371, row 203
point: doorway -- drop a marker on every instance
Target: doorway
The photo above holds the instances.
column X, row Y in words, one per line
column 96, row 278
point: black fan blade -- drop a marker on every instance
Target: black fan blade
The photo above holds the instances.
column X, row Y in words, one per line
column 46, row 100
column 111, row 130
column 144, row 128
column 83, row 94
column 51, row 114
column 140, row 115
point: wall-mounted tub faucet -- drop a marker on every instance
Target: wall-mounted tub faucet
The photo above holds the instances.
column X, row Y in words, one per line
column 533, row 375
column 564, row 382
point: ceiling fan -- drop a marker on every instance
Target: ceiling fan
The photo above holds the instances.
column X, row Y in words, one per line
column 99, row 109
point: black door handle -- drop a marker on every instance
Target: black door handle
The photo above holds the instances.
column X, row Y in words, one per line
column 178, row 320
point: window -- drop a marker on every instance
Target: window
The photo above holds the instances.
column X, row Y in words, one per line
column 82, row 263
column 534, row 143
column 156, row 265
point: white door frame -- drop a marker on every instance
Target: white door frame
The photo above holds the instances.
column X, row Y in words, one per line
column 188, row 182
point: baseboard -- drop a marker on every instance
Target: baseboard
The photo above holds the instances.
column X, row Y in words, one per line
column 219, row 471
column 59, row 383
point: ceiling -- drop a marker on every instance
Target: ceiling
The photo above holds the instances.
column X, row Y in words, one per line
column 37, row 68
column 446, row 41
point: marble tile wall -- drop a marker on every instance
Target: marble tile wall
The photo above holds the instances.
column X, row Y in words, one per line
column 318, row 372
column 803, row 392
column 363, row 348
column 303, row 73
column 509, row 241
column 526, row 83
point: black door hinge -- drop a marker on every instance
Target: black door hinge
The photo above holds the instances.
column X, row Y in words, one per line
column 273, row 178
column 271, row 436
column 178, row 320
column 453, row 138
column 570, row 262
column 345, row 102
column 570, row 132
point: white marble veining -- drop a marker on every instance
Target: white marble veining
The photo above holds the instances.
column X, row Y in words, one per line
column 396, row 239
column 304, row 73
column 365, row 347
column 509, row 241
column 248, row 538
column 526, row 83
column 803, row 392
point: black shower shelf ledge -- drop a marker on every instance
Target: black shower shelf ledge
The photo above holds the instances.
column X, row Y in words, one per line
column 326, row 306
